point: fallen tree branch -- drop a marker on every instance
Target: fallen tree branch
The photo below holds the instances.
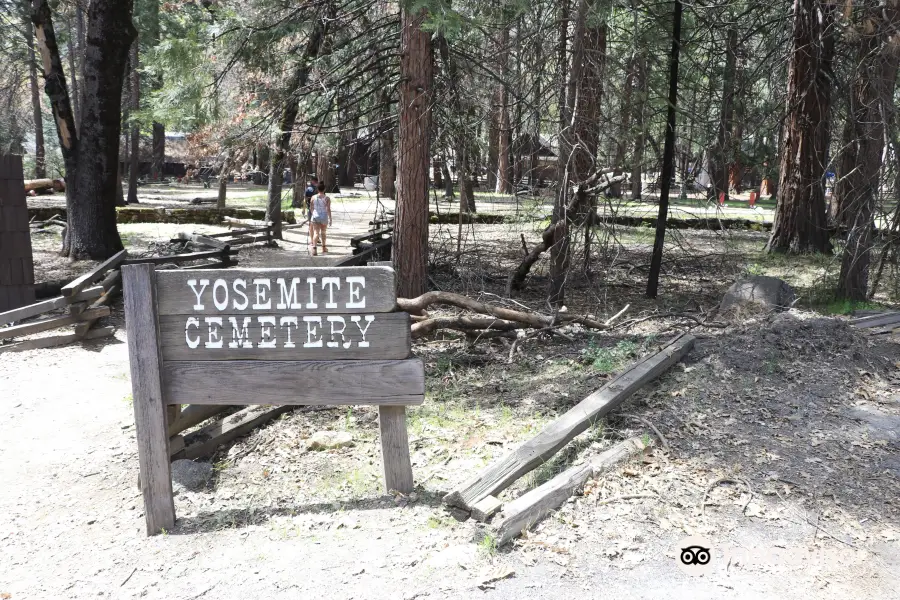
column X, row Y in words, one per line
column 467, row 324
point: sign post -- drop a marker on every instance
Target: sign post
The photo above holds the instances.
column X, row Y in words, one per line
column 299, row 336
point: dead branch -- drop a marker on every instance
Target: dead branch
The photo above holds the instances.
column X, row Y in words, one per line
column 467, row 324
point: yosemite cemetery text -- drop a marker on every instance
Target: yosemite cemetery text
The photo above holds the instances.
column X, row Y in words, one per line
column 329, row 315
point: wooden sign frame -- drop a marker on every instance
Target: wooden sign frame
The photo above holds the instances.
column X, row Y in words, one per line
column 178, row 326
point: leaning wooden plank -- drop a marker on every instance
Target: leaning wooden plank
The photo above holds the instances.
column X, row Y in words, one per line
column 93, row 275
column 39, row 308
column 195, row 414
column 104, row 300
column 323, row 383
column 500, row 475
column 52, row 323
column 205, row 440
column 58, row 340
column 528, row 509
column 139, row 285
column 177, row 258
column 876, row 320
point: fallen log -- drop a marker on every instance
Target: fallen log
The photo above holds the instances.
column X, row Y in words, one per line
column 52, row 323
column 44, row 185
column 58, row 340
column 418, row 305
column 93, row 275
column 500, row 475
column 527, row 510
column 200, row 240
column 39, row 308
column 233, row 222
column 466, row 324
column 205, row 440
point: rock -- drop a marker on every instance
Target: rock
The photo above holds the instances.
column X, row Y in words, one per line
column 190, row 475
column 768, row 293
column 326, row 440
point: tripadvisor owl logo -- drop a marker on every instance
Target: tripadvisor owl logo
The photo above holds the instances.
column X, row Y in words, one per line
column 695, row 556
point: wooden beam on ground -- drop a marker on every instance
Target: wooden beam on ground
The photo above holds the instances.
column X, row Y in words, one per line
column 52, row 323
column 58, row 340
column 205, row 440
column 246, row 222
column 485, row 508
column 195, row 414
column 93, row 275
column 39, row 308
column 104, row 300
column 178, row 258
column 212, row 264
column 201, row 240
column 876, row 320
column 500, row 475
column 234, row 232
column 528, row 509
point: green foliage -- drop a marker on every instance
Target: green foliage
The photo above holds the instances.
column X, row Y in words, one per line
column 607, row 360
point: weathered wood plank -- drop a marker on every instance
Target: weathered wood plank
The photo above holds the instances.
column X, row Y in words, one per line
column 298, row 337
column 485, row 508
column 876, row 320
column 147, row 393
column 58, row 340
column 195, row 414
column 331, row 383
column 395, row 449
column 205, row 440
column 104, row 300
column 179, row 258
column 277, row 291
column 528, row 509
column 39, row 308
column 93, row 275
column 52, row 323
column 500, row 475
column 234, row 232
column 202, row 240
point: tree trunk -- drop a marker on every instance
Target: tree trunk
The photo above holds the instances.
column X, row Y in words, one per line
column 640, row 103
column 800, row 225
column 448, row 180
column 493, row 149
column 91, row 158
column 578, row 140
column 719, row 154
column 289, row 112
column 736, row 166
column 79, row 54
column 223, row 182
column 135, row 153
column 40, row 162
column 668, row 166
column 387, row 168
column 870, row 100
column 410, row 246
column 504, row 133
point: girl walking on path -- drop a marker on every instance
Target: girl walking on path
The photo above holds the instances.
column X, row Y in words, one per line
column 319, row 220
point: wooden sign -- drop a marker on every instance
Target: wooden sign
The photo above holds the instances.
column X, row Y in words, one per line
column 313, row 336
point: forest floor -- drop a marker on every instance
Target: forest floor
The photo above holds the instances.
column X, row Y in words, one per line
column 799, row 409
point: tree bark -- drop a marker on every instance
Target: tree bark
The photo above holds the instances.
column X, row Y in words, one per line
column 857, row 190
column 504, row 132
column 640, row 103
column 493, row 149
column 287, row 121
column 387, row 168
column 410, row 246
column 800, row 225
column 79, row 54
column 578, row 140
column 92, row 157
column 135, row 153
column 719, row 154
column 223, row 182
column 40, row 161
column 668, row 166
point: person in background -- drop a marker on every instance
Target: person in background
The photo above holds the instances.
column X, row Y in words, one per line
column 311, row 189
column 319, row 220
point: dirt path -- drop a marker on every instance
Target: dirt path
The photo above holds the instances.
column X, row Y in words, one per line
column 71, row 523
